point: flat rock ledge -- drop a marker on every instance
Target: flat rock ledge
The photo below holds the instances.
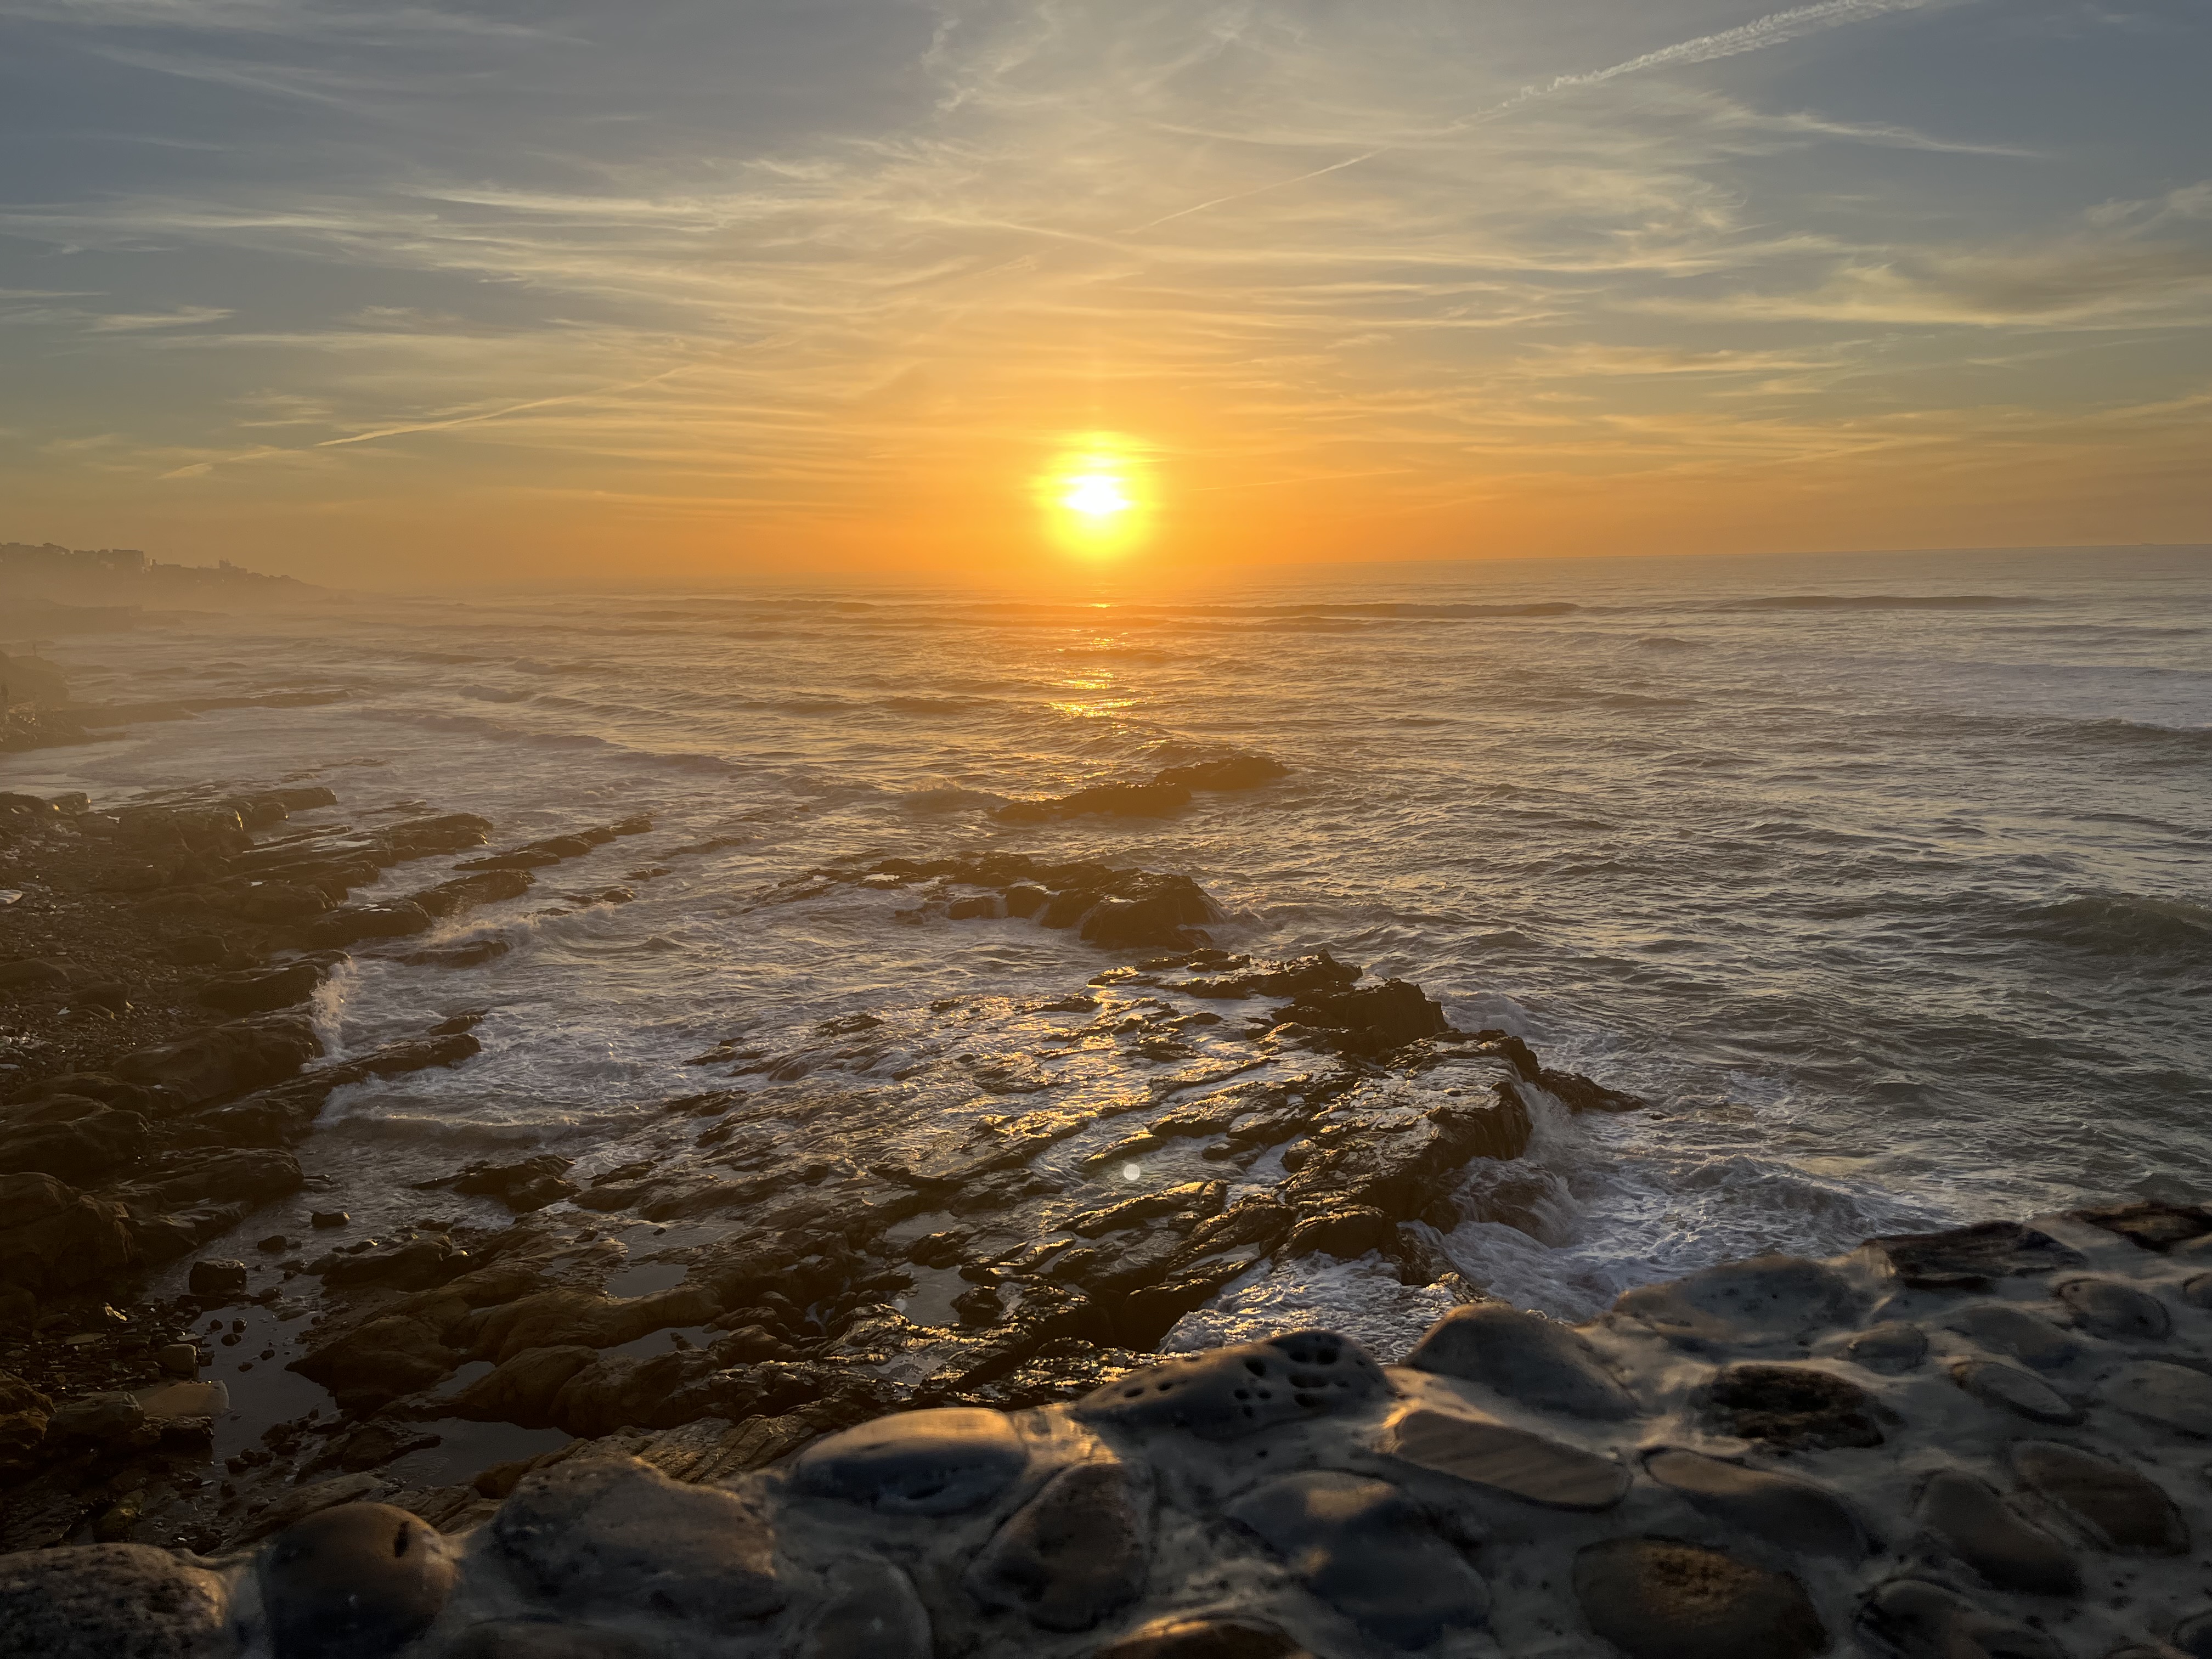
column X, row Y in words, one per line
column 1988, row 1443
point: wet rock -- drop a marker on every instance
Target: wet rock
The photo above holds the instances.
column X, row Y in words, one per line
column 372, row 1446
column 614, row 1393
column 414, row 1265
column 474, row 954
column 2116, row 1311
column 1525, row 1466
column 2150, row 1224
column 522, row 1390
column 32, row 974
column 2173, row 1396
column 328, row 1219
column 263, row 990
column 1995, row 1541
column 449, row 832
column 71, row 1138
column 524, row 1188
column 1074, row 1552
column 1768, row 1299
column 218, row 1280
column 1793, row 1514
column 24, row 1414
column 1025, row 899
column 247, row 1178
column 465, row 892
column 1525, row 1356
column 228, row 1059
column 1363, row 1547
column 98, row 1419
column 1398, row 1159
column 1204, row 1638
column 53, row 1238
column 2014, row 1331
column 1372, row 1021
column 1234, row 772
column 1234, row 1391
column 560, row 1317
column 617, row 1535
column 873, row 1612
column 1346, row 1234
column 1969, row 1258
column 976, row 907
column 544, row 1638
column 929, row 1462
column 354, row 1582
column 1200, row 1198
column 1920, row 1620
column 1892, row 1349
column 2120, row 1509
column 1792, row 1406
column 2015, row 1390
column 1154, row 910
column 1656, row 1599
column 1578, row 1093
column 279, row 902
column 112, row 1601
column 1240, row 976
column 377, row 1361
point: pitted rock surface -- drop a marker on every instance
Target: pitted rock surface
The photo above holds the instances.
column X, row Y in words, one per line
column 1920, row 1620
column 597, row 1532
column 355, row 1582
column 111, row 1601
column 874, row 1613
column 1236, row 1391
column 1794, row 1407
column 1525, row 1356
column 1205, row 1639
column 1794, row 1515
column 2116, row 1311
column 2014, row 1331
column 1993, row 1539
column 1767, row 1300
column 1074, row 1552
column 933, row 1462
column 1364, row 1548
column 2010, row 1388
column 1892, row 1348
column 2173, row 1395
column 1970, row 1258
column 1505, row 1460
column 1654, row 1598
column 2118, row 1509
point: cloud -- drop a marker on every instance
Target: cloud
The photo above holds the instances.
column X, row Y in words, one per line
column 139, row 322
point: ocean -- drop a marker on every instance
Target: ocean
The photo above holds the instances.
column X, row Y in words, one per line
column 1887, row 879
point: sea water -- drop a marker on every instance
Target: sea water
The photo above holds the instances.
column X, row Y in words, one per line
column 1884, row 878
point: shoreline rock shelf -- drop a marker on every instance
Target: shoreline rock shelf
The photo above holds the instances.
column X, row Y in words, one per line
column 1706, row 1471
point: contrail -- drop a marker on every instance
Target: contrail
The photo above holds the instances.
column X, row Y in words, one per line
column 501, row 414
column 1770, row 31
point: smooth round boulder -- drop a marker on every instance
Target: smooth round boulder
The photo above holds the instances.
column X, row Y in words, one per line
column 111, row 1601
column 1074, row 1552
column 2011, row 1390
column 931, row 1462
column 2116, row 1311
column 1524, row 1356
column 542, row 1638
column 1920, row 1621
column 2173, row 1395
column 1892, row 1348
column 1989, row 1536
column 1654, row 1598
column 2119, row 1509
column 1205, row 1639
column 356, row 1581
column 1791, row 1514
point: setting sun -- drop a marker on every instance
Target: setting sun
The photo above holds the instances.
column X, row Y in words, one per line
column 1097, row 495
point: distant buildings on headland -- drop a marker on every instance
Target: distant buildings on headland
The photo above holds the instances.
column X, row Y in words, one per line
column 47, row 589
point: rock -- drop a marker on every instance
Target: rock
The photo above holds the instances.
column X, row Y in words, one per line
column 927, row 1463
column 328, row 1218
column 1372, row 1021
column 1580, row 1094
column 169, row 1402
column 1026, row 899
column 473, row 954
column 2015, row 1391
column 228, row 1059
column 873, row 1614
column 111, row 1601
column 1074, row 1552
column 1525, row 1356
column 2151, row 1225
column 215, row 1281
column 1299, row 976
column 616, row 1535
column 1399, row 1158
column 181, row 1358
column 2116, row 1311
column 1363, row 1547
column 1175, row 1638
column 32, row 974
column 1346, row 1234
column 1792, row 1515
column 1921, row 1621
column 977, row 908
column 372, row 1446
column 1892, row 1349
column 280, row 903
column 449, row 832
column 466, row 892
column 301, row 1502
column 354, row 1582
column 262, row 990
column 1656, row 1599
column 1768, row 1299
column 248, row 1178
column 524, row 1188
column 414, row 1265
column 543, row 1638
column 100, row 1418
column 24, row 1414
column 1969, row 1258
column 1525, row 1466
column 562, row 1317
column 52, row 1238
column 1997, row 1542
column 69, row 1137
column 2118, row 1509
column 350, row 924
column 2173, row 1396
column 1233, row 772
column 522, row 1390
column 1234, row 1391
column 1156, row 910
column 2014, row 1331
column 374, row 1362
column 1792, row 1406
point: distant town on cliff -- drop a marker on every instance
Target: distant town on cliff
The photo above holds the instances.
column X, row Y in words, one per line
column 39, row 583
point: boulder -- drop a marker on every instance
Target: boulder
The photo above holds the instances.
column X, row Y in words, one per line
column 1228, row 1392
column 354, row 1582
column 350, row 924
column 2007, row 1551
column 2118, row 1509
column 2118, row 1312
column 522, row 1389
column 873, row 1611
column 1536, row 1361
column 1767, row 1300
column 1074, row 1552
column 2011, row 1389
column 52, row 1238
column 128, row 1600
column 1794, row 1407
column 1920, row 1620
column 24, row 1415
column 263, row 990
column 928, row 1464
column 379, row 1360
column 217, row 1281
column 1654, row 1598
column 1527, row 1466
column 1373, row 1021
column 69, row 1137
column 525, row 1187
column 1970, row 1258
column 228, row 1059
column 1792, row 1515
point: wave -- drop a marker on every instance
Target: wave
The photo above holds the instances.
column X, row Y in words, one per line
column 2190, row 743
column 1669, row 642
column 1885, row 602
column 2124, row 924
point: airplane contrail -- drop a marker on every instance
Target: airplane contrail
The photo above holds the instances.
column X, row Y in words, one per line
column 1755, row 36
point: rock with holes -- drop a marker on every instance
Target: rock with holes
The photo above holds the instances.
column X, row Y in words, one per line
column 931, row 1462
column 873, row 1611
column 1205, row 1639
column 1654, row 1598
column 1793, row 1514
column 1770, row 1299
column 1972, row 1258
column 111, row 1601
column 2116, row 1311
column 1235, row 1391
column 2014, row 1331
column 1364, row 1548
column 616, row 1535
column 2173, row 1396
column 1525, row 1356
column 1920, row 1620
column 1528, row 1466
column 1074, row 1552
column 2011, row 1390
column 1792, row 1406
column 1992, row 1538
column 2116, row 1508
column 1892, row 1348
column 355, row 1582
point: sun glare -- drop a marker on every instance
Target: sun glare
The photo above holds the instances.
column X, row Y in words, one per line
column 1097, row 495
column 1096, row 500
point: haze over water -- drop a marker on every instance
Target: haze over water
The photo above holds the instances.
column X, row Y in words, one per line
column 1884, row 877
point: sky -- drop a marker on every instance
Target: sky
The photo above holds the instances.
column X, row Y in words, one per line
column 405, row 294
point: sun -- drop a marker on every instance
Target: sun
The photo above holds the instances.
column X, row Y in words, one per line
column 1097, row 495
